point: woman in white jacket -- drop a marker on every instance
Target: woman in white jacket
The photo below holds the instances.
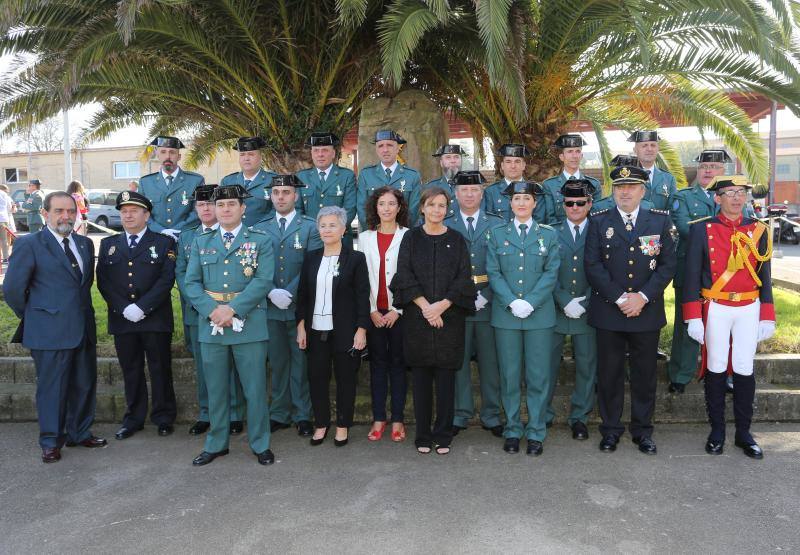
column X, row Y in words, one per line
column 387, row 221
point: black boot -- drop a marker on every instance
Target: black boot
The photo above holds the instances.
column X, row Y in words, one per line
column 744, row 393
column 714, row 385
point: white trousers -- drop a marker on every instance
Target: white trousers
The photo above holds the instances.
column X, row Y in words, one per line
column 732, row 327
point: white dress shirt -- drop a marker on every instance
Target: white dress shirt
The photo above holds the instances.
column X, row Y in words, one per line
column 581, row 227
column 650, row 171
column 393, row 167
column 173, row 174
column 72, row 245
column 138, row 234
column 235, row 232
column 474, row 217
column 633, row 214
column 323, row 302
column 327, row 171
column 529, row 223
column 289, row 217
column 567, row 175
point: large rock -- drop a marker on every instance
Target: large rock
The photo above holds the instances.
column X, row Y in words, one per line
column 417, row 119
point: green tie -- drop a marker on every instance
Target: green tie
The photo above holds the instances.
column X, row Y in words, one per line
column 169, row 181
column 322, row 178
column 470, row 227
column 522, row 233
column 577, row 232
column 283, row 225
column 388, row 174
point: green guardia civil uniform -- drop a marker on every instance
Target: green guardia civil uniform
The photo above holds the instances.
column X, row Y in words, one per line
column 495, row 202
column 239, row 276
column 404, row 179
column 550, row 209
column 171, row 198
column 290, row 399
column 32, row 206
column 479, row 335
column 191, row 333
column 661, row 189
column 690, row 204
column 339, row 189
column 525, row 270
column 572, row 283
column 258, row 206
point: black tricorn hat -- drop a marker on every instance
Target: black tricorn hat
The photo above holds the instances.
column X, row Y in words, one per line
column 285, row 180
column 167, row 142
column 514, row 149
column 448, row 149
column 570, row 140
column 388, row 135
column 204, row 192
column 134, row 198
column 580, row 187
column 718, row 155
column 643, row 136
column 35, row 182
column 625, row 175
column 226, row 192
column 322, row 139
column 247, row 144
column 625, row 160
column 469, row 177
column 523, row 188
column 722, row 181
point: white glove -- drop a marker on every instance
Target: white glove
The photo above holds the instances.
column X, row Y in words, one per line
column 480, row 301
column 766, row 329
column 696, row 330
column 237, row 325
column 574, row 309
column 215, row 329
column 280, row 298
column 133, row 313
column 174, row 233
column 520, row 308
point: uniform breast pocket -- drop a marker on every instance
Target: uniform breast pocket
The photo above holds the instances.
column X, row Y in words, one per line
column 534, row 258
column 207, row 263
column 331, row 198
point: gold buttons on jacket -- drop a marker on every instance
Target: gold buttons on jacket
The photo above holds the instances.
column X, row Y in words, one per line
column 630, row 262
column 130, row 263
column 631, row 249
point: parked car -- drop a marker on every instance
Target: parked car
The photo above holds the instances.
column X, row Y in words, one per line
column 102, row 208
column 20, row 217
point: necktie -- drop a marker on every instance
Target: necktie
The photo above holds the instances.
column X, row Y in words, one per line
column 577, row 232
column 169, row 181
column 71, row 257
column 470, row 227
column 522, row 232
column 283, row 225
column 571, row 177
column 629, row 222
column 228, row 236
column 207, row 229
column 134, row 241
column 650, row 175
column 389, row 174
column 322, row 177
column 247, row 183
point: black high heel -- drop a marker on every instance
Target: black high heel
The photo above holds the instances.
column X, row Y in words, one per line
column 341, row 442
column 315, row 442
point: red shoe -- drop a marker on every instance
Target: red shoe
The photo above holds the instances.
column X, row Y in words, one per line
column 376, row 434
column 399, row 434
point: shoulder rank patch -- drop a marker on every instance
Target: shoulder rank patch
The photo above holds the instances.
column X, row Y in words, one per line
column 603, row 211
column 171, row 255
column 657, row 211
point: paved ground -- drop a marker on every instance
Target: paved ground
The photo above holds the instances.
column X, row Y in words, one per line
column 143, row 496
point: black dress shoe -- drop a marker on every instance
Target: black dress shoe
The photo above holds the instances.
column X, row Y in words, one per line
column 236, row 427
column 714, row 447
column 319, row 441
column 646, row 445
column 535, row 448
column 511, row 445
column 266, row 457
column 199, row 427
column 205, row 457
column 51, row 454
column 752, row 450
column 676, row 387
column 165, row 429
column 457, row 429
column 497, row 431
column 340, row 442
column 125, row 432
column 304, row 428
column 274, row 426
column 609, row 443
column 92, row 442
column 579, row 431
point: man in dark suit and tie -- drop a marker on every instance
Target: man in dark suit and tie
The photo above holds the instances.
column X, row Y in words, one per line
column 135, row 273
column 629, row 259
column 48, row 285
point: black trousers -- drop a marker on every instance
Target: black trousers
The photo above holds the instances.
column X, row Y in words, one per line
column 445, row 381
column 611, row 349
column 345, row 367
column 132, row 348
column 387, row 367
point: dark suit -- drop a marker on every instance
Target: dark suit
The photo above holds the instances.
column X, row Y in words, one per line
column 616, row 262
column 143, row 275
column 350, row 311
column 54, row 301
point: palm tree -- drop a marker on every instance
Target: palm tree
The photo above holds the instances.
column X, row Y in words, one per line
column 524, row 70
column 209, row 70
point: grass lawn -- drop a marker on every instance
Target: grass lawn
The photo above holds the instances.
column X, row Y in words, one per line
column 786, row 340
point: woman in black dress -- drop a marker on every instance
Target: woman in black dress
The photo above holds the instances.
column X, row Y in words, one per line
column 433, row 285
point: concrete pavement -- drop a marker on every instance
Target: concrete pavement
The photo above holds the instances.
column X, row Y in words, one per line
column 142, row 495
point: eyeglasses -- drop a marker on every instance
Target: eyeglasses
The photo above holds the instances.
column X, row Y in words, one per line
column 732, row 194
column 571, row 203
column 711, row 167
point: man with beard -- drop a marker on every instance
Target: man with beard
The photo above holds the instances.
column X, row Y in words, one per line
column 48, row 286
column 170, row 190
column 450, row 158
column 253, row 178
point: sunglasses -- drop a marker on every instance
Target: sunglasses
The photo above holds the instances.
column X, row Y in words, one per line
column 571, row 203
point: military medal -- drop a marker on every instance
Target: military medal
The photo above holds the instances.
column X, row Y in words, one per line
column 339, row 191
column 664, row 188
column 112, row 250
column 153, row 253
column 542, row 248
column 650, row 245
column 628, row 227
column 248, row 258
column 653, row 264
column 609, row 233
column 402, row 185
column 266, row 194
column 297, row 244
column 248, row 271
column 184, row 199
